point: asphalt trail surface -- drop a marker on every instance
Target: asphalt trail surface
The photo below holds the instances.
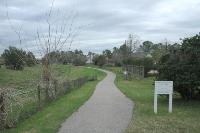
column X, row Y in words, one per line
column 107, row 111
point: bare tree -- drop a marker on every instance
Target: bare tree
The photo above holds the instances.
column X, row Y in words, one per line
column 132, row 42
column 60, row 33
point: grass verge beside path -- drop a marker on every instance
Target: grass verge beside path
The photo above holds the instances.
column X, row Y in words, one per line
column 51, row 117
column 184, row 119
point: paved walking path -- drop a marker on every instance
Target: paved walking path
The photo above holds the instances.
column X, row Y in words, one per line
column 107, row 111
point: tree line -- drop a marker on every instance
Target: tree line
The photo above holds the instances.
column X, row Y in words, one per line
column 178, row 62
column 16, row 59
column 147, row 55
column 75, row 57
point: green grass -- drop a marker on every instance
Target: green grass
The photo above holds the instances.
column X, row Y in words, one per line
column 24, row 78
column 28, row 77
column 50, row 118
column 72, row 72
column 184, row 119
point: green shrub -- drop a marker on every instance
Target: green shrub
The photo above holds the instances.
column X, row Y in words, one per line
column 14, row 58
column 99, row 60
column 182, row 65
column 79, row 60
column 30, row 59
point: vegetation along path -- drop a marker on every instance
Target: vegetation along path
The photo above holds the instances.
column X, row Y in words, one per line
column 107, row 111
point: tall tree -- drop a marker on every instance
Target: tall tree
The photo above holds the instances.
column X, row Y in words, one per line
column 107, row 53
column 14, row 58
column 147, row 46
column 30, row 59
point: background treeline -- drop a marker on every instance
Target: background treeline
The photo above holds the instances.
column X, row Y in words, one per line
column 16, row 59
column 76, row 57
column 147, row 55
column 146, row 52
column 178, row 62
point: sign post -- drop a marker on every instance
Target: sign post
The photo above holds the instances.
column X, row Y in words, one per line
column 163, row 87
column 125, row 75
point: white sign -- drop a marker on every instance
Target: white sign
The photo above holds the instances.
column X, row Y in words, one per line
column 163, row 87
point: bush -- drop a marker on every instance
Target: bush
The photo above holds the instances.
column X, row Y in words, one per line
column 30, row 59
column 99, row 60
column 79, row 60
column 76, row 57
column 182, row 65
column 14, row 58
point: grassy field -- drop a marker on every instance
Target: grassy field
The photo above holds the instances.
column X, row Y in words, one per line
column 27, row 80
column 50, row 118
column 30, row 75
column 184, row 119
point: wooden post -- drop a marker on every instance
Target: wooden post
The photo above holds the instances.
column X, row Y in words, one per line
column 55, row 87
column 132, row 72
column 39, row 96
column 143, row 72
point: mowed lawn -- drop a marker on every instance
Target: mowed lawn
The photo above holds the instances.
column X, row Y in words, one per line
column 184, row 119
column 50, row 118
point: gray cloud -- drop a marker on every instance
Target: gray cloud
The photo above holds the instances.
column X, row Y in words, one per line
column 108, row 21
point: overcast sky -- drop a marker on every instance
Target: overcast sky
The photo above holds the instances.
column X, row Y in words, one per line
column 107, row 23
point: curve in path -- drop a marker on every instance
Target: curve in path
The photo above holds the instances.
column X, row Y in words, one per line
column 107, row 111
